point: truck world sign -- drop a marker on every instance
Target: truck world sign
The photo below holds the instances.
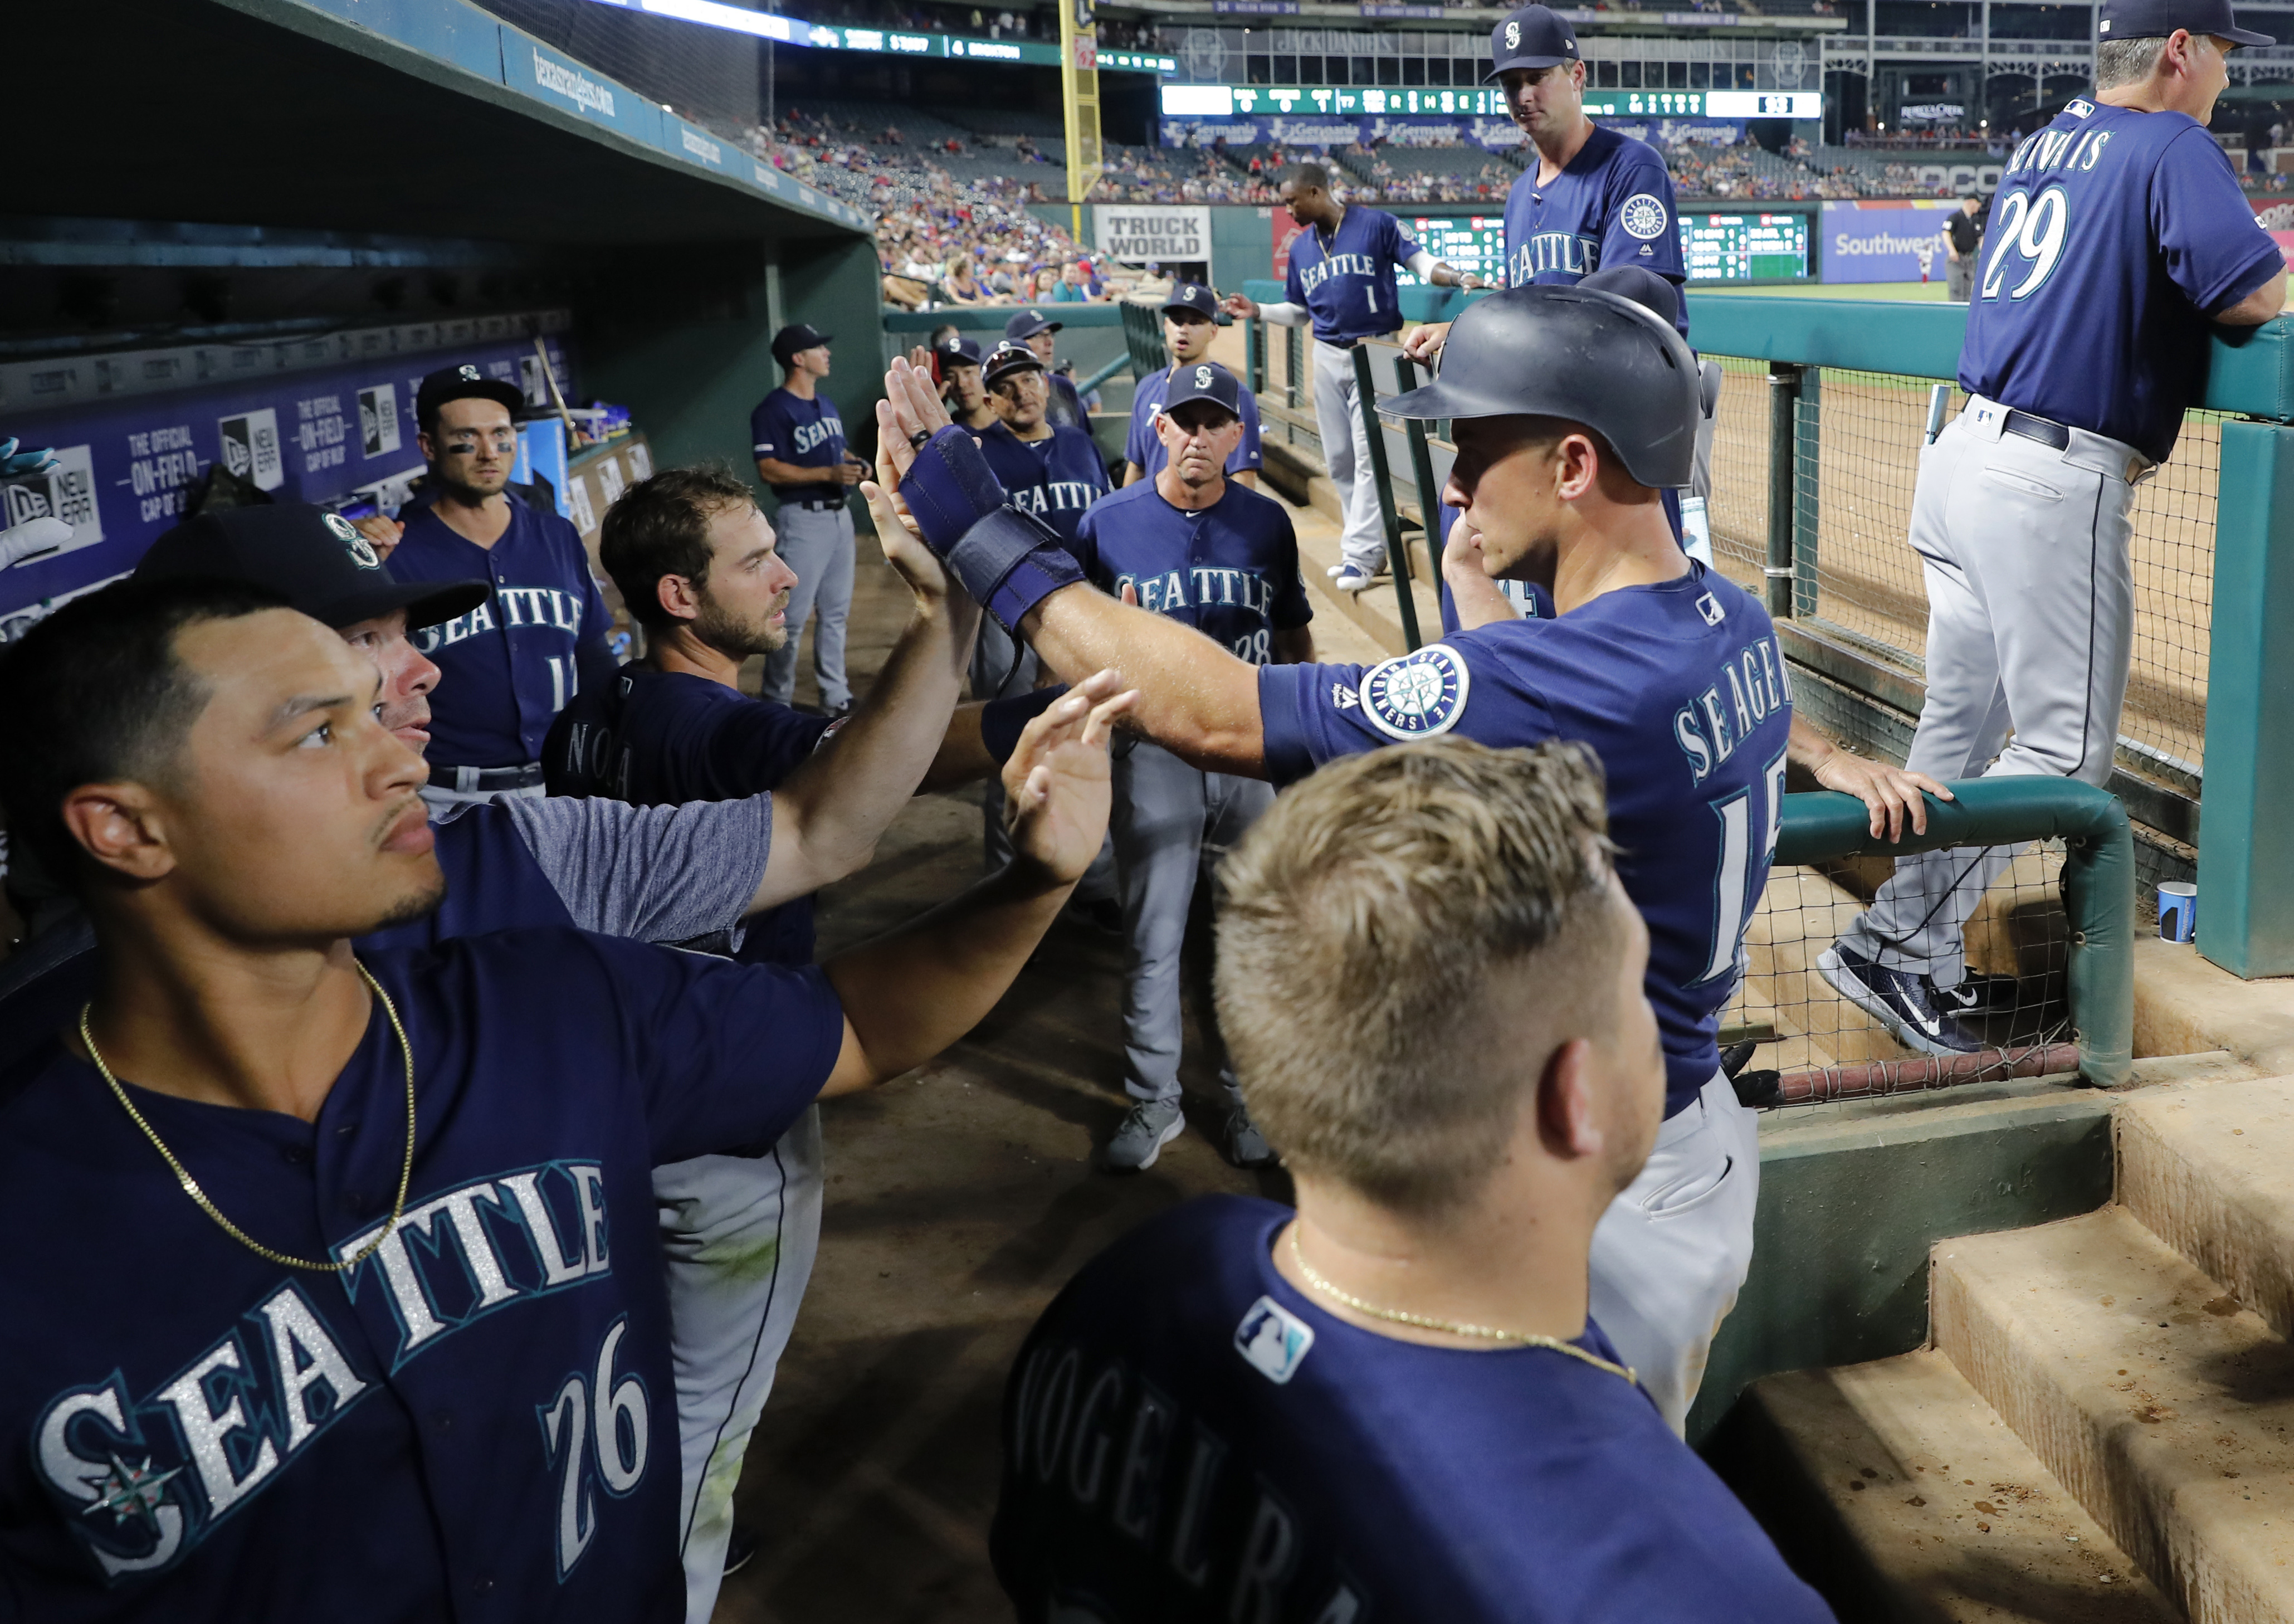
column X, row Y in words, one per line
column 1165, row 235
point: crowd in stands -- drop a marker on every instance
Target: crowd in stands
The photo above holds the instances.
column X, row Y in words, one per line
column 979, row 21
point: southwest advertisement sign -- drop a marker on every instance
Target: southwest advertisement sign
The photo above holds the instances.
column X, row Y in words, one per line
column 1885, row 241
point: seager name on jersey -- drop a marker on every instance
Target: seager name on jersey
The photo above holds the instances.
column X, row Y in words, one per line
column 521, row 606
column 1708, row 731
column 151, row 1477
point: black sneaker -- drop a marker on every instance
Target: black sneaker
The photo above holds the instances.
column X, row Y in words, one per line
column 1979, row 995
column 740, row 1549
column 1242, row 1143
column 1906, row 1004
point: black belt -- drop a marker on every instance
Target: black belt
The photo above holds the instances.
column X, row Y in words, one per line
column 486, row 780
column 826, row 503
column 2045, row 431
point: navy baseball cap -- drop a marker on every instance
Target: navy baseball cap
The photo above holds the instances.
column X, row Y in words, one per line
column 958, row 352
column 1008, row 358
column 312, row 558
column 1026, row 324
column 1641, row 285
column 462, row 382
column 1194, row 296
column 1205, row 381
column 1537, row 38
column 2157, row 18
column 795, row 338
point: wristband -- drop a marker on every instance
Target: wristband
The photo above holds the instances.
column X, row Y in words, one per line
column 949, row 488
column 1010, row 562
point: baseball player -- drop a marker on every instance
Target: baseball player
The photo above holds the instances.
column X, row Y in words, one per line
column 1341, row 280
column 1391, row 1402
column 1034, row 330
column 798, row 440
column 961, row 384
column 1667, row 670
column 364, row 1316
column 539, row 634
column 1193, row 546
column 2117, row 234
column 1053, row 470
column 1190, row 323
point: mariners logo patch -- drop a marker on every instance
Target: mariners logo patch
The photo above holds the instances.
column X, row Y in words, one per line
column 1644, row 217
column 361, row 551
column 1202, row 377
column 1273, row 1340
column 1513, row 35
column 1417, row 695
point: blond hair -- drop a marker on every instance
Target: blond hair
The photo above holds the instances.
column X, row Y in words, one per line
column 1364, row 924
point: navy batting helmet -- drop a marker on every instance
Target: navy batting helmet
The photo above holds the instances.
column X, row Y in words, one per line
column 1584, row 356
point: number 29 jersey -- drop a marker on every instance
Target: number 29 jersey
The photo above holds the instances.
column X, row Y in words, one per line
column 1679, row 688
column 2114, row 235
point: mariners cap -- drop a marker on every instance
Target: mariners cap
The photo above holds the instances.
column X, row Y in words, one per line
column 1205, row 381
column 795, row 338
column 1641, row 285
column 1537, row 38
column 463, row 382
column 1194, row 296
column 1010, row 358
column 2157, row 18
column 308, row 556
column 1026, row 324
column 958, row 352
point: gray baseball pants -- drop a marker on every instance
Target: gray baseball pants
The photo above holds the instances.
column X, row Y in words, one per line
column 1346, row 453
column 1170, row 822
column 2030, row 622
column 817, row 543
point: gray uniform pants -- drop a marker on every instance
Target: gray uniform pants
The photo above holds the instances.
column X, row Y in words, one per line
column 1346, row 452
column 2030, row 620
column 1170, row 821
column 817, row 543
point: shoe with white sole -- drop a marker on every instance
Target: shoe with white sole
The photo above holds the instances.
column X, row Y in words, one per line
column 1352, row 578
column 1142, row 1135
column 1904, row 1003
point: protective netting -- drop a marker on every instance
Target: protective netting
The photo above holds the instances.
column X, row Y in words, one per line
column 709, row 76
column 1860, row 434
column 2010, row 1013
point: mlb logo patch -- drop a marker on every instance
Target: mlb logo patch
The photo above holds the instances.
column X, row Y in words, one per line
column 1273, row 1340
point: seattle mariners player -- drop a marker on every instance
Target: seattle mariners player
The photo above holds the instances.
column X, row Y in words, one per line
column 1195, row 547
column 1190, row 323
column 1668, row 670
column 364, row 1316
column 2117, row 233
column 1034, row 330
column 799, row 444
column 1391, row 1403
column 539, row 638
column 1053, row 471
column 1341, row 280
column 962, row 385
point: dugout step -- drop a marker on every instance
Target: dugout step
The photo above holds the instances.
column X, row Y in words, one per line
column 2209, row 1169
column 1899, row 1493
column 2160, row 1403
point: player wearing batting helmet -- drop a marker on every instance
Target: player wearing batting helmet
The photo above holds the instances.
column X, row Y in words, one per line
column 2118, row 239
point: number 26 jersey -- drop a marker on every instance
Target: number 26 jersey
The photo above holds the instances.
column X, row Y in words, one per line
column 1678, row 688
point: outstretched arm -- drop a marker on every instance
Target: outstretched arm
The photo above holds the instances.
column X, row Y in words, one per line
column 909, row 995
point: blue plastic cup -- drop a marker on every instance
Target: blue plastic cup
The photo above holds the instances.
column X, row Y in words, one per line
column 2178, row 911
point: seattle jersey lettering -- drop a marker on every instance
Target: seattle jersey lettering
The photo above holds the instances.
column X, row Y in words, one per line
column 521, row 606
column 1568, row 253
column 147, row 1479
column 1340, row 265
column 809, row 436
column 1054, row 496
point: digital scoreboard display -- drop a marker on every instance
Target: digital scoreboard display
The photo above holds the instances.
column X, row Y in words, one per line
column 1285, row 101
column 1717, row 248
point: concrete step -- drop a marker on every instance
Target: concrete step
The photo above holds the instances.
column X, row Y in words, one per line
column 2162, row 1406
column 1894, row 1489
column 2210, row 1170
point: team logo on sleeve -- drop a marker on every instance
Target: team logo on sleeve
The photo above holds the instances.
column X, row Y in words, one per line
column 1273, row 1340
column 1416, row 696
column 1644, row 217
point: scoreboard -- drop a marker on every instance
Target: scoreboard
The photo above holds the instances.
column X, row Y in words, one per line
column 1716, row 248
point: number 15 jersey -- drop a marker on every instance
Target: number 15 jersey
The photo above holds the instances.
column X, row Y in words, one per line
column 2115, row 235
column 1680, row 689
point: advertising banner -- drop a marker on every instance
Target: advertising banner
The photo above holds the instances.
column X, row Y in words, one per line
column 2278, row 220
column 1885, row 241
column 128, row 467
column 1165, row 233
column 1334, row 130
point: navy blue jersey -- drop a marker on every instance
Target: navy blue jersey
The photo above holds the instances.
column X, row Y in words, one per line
column 1145, row 446
column 1680, row 689
column 1611, row 205
column 1348, row 285
column 1056, row 478
column 476, row 1422
column 2114, row 235
column 508, row 667
column 1186, row 1436
column 801, row 433
column 1230, row 570
column 660, row 737
column 1064, row 409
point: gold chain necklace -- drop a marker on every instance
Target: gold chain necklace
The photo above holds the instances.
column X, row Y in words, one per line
column 191, row 1185
column 1427, row 1323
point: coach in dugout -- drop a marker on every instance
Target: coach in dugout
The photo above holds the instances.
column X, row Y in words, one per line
column 509, row 665
column 1394, row 1402
column 799, row 443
